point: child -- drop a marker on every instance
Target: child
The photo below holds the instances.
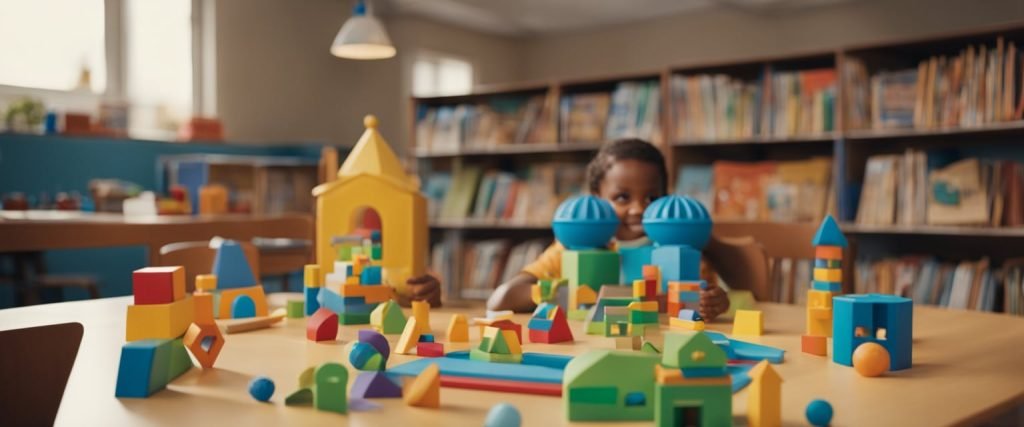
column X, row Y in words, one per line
column 629, row 173
column 424, row 288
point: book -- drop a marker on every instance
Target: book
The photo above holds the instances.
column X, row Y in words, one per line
column 956, row 194
column 695, row 181
column 498, row 120
column 739, row 189
column 964, row 284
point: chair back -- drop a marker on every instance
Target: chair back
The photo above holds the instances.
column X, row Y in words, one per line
column 35, row 364
column 768, row 257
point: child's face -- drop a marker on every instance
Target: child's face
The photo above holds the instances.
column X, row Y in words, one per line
column 630, row 185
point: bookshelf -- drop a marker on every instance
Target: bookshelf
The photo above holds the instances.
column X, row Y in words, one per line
column 780, row 109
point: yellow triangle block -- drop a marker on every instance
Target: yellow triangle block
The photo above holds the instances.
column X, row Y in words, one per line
column 458, row 329
column 410, row 337
column 425, row 390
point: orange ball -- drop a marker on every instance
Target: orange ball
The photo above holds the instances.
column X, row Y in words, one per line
column 871, row 359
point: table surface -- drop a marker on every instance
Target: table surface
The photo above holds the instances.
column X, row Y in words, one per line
column 967, row 366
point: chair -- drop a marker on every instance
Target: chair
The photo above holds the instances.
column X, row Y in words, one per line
column 760, row 249
column 28, row 275
column 35, row 364
column 197, row 258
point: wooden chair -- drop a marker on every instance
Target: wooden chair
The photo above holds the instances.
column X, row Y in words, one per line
column 35, row 364
column 197, row 258
column 748, row 254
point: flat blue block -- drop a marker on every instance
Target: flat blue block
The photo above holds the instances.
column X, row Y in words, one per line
column 742, row 350
column 458, row 364
column 330, row 300
column 427, row 338
column 857, row 319
column 704, row 372
column 826, row 286
column 312, row 302
column 676, row 263
column 353, row 301
column 370, row 276
column 633, row 261
column 358, row 309
column 829, row 234
column 827, row 263
column 243, row 307
column 539, row 324
column 143, row 368
column 231, row 267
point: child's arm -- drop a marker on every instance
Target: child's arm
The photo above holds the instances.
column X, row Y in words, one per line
column 713, row 302
column 513, row 295
column 424, row 288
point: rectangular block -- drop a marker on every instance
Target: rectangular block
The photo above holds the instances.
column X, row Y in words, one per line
column 828, row 252
column 179, row 362
column 353, row 319
column 158, row 285
column 819, row 299
column 812, row 344
column 143, row 368
column 430, row 349
column 676, row 263
column 828, row 274
column 159, row 321
column 591, row 268
column 748, row 322
column 295, row 309
column 827, row 263
column 312, row 277
column 833, row 287
column 633, row 261
column 883, row 319
column 311, row 300
column 373, row 294
column 371, row 275
column 203, row 304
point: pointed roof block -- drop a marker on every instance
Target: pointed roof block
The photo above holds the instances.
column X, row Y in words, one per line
column 231, row 267
column 691, row 350
column 829, row 234
column 371, row 156
column 764, row 373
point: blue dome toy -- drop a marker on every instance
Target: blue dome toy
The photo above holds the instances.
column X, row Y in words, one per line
column 585, row 222
column 678, row 220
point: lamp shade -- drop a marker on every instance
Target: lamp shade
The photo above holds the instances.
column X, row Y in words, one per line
column 362, row 37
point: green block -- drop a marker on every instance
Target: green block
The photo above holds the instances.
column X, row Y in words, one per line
column 302, row 396
column 714, row 403
column 614, row 327
column 159, row 372
column 356, row 250
column 483, row 356
column 376, row 252
column 680, row 347
column 344, row 253
column 594, row 268
column 374, row 363
column 330, row 388
column 595, row 328
column 180, row 360
column 354, row 319
column 498, row 346
column 575, row 314
column 643, row 317
column 600, row 395
column 296, row 309
column 650, row 348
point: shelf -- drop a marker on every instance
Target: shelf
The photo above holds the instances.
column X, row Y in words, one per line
column 934, row 230
column 1012, row 127
column 808, row 139
column 510, row 149
column 477, row 224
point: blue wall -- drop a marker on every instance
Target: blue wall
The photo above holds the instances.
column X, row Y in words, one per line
column 33, row 164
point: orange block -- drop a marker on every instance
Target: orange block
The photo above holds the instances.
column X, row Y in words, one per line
column 376, row 293
column 828, row 252
column 815, row 345
column 425, row 390
column 228, row 296
column 204, row 342
column 204, row 308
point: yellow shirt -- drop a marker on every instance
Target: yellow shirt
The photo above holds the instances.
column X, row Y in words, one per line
column 549, row 264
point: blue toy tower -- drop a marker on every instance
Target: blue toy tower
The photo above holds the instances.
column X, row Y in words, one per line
column 585, row 225
column 680, row 226
column 884, row 319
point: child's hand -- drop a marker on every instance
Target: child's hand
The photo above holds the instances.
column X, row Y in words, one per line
column 425, row 288
column 713, row 302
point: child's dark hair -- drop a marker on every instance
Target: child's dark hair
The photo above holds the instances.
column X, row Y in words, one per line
column 622, row 149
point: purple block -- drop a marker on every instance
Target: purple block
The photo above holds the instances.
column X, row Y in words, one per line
column 376, row 340
column 374, row 384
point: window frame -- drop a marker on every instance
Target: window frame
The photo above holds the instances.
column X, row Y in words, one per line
column 435, row 57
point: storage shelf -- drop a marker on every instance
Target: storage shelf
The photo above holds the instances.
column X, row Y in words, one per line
column 934, row 230
column 1011, row 127
column 567, row 147
column 487, row 224
column 758, row 140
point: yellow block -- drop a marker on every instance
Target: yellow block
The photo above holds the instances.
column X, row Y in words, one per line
column 535, row 294
column 159, row 321
column 458, row 329
column 639, row 290
column 643, row 306
column 206, row 282
column 819, row 322
column 425, row 390
column 512, row 340
column 421, row 311
column 585, row 295
column 764, row 400
column 311, row 277
column 748, row 322
column 409, row 338
column 819, row 299
column 228, row 296
column 828, row 274
column 677, row 323
column 204, row 309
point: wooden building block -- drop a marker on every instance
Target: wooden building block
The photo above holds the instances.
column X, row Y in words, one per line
column 748, row 322
column 814, row 344
column 204, row 309
column 764, row 398
column 421, row 311
column 143, row 369
column 430, row 349
column 322, row 326
column 330, row 388
column 828, row 274
column 425, row 390
column 206, row 282
column 828, row 252
column 410, row 337
column 312, row 277
column 458, row 328
column 158, row 285
column 204, row 341
column 227, row 298
column 159, row 321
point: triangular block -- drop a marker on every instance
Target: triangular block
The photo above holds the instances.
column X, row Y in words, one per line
column 425, row 390
column 829, row 234
column 231, row 267
column 410, row 336
column 374, row 384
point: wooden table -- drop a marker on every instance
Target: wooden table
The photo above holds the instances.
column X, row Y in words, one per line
column 967, row 366
column 45, row 230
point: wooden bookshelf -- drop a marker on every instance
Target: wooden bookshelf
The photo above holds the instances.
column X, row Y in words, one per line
column 848, row 147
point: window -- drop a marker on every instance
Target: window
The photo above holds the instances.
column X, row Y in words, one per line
column 150, row 59
column 47, row 43
column 440, row 75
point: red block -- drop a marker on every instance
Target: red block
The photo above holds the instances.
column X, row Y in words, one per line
column 158, row 285
column 503, row 386
column 663, row 304
column 508, row 325
column 322, row 326
column 815, row 345
column 559, row 331
column 650, row 290
column 430, row 349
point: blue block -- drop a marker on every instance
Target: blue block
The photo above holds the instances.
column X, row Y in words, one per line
column 704, row 372
column 633, row 261
column 539, row 324
column 144, row 368
column 691, row 315
column 231, row 267
column 872, row 312
column 370, row 275
column 312, row 302
column 742, row 350
column 829, row 234
column 827, row 263
column 427, row 338
column 689, row 296
column 635, row 398
column 375, row 236
column 331, row 300
column 243, row 307
column 827, row 286
column 676, row 263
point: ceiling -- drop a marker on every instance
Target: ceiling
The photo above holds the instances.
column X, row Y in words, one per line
column 539, row 17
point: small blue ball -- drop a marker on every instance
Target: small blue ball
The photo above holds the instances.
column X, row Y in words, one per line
column 503, row 415
column 261, row 388
column 819, row 412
